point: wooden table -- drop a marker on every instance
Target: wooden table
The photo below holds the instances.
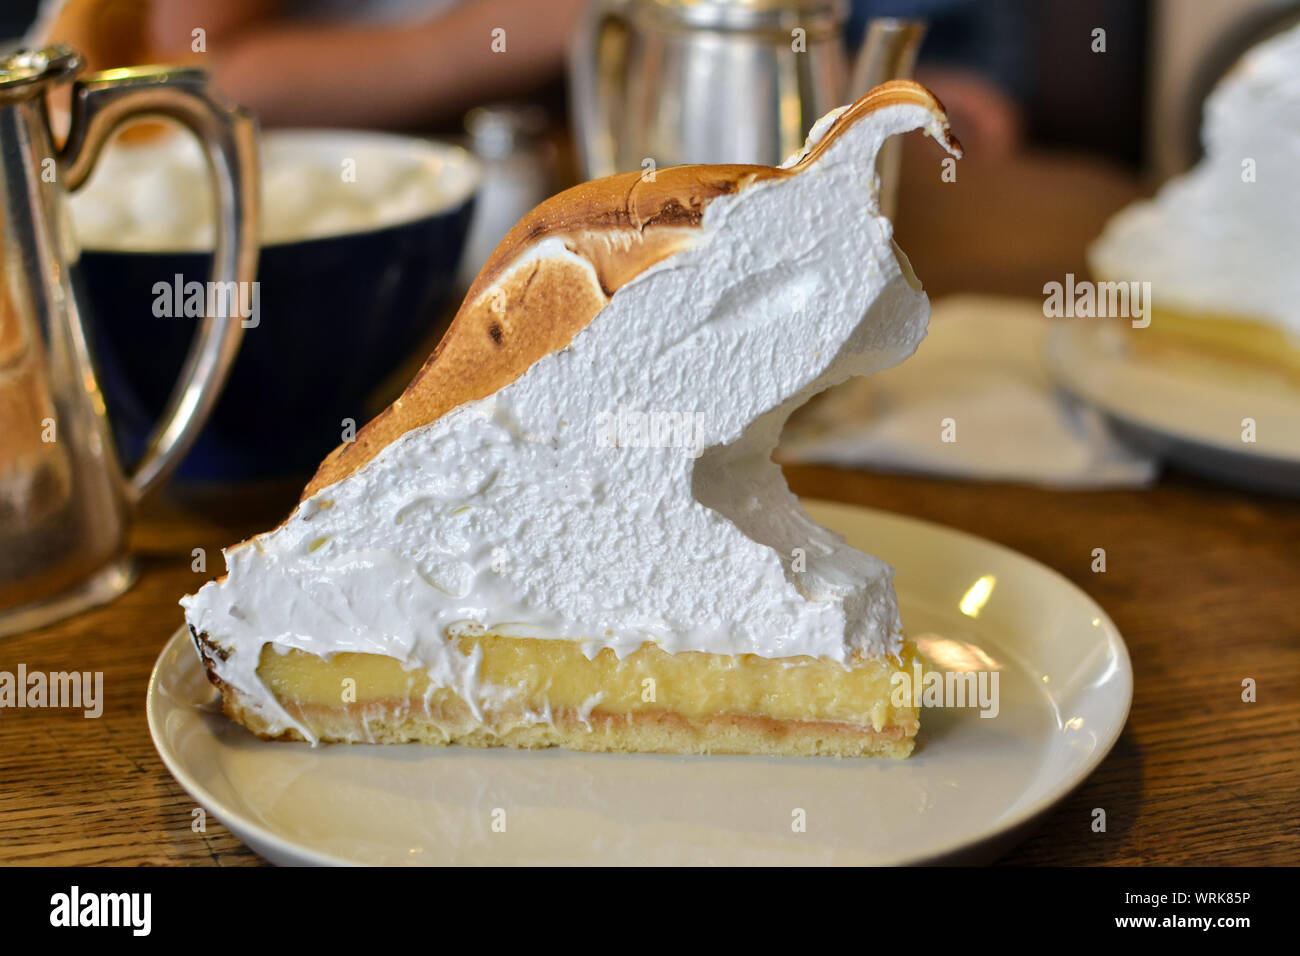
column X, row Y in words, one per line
column 1204, row 583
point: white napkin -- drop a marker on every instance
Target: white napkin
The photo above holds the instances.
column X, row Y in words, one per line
column 979, row 378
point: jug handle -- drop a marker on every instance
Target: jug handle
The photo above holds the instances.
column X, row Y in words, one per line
column 103, row 102
column 592, row 87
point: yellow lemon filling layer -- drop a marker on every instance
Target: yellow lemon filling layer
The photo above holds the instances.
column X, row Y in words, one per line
column 555, row 676
column 1238, row 339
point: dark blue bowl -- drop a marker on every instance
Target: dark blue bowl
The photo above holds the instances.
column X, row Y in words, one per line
column 338, row 315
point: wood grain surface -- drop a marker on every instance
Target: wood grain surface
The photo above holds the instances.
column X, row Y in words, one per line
column 1203, row 582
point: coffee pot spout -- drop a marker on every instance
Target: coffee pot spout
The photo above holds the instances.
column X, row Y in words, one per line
column 888, row 52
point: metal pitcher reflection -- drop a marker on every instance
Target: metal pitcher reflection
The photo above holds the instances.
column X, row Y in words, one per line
column 65, row 503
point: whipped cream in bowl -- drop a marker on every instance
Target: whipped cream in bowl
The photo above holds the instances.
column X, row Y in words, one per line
column 156, row 196
column 361, row 234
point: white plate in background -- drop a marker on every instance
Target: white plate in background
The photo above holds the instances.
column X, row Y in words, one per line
column 1188, row 410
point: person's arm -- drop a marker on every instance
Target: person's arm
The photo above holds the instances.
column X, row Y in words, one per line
column 172, row 22
column 358, row 75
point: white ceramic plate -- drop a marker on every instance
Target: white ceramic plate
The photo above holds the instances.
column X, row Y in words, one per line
column 972, row 786
column 1186, row 409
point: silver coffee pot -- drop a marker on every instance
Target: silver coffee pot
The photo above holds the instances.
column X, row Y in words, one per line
column 65, row 504
column 718, row 81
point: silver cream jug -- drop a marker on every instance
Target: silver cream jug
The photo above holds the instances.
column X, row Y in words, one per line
column 65, row 503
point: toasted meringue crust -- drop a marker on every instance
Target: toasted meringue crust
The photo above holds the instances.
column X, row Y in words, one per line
column 512, row 317
column 621, row 226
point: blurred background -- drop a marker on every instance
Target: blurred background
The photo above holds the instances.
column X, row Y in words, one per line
column 1068, row 110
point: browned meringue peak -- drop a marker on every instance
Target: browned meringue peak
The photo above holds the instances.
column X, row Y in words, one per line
column 619, row 227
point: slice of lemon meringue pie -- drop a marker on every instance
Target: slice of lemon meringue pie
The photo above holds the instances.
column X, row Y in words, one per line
column 568, row 531
column 1218, row 244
